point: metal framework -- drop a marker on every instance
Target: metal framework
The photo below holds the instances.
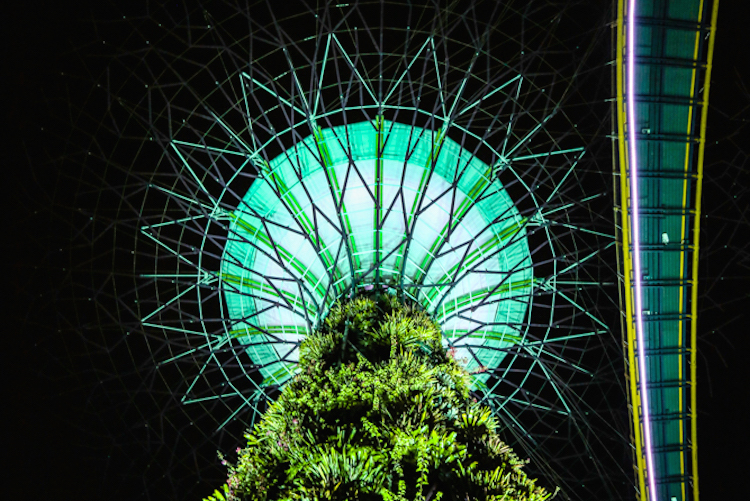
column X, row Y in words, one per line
column 268, row 160
column 377, row 205
column 663, row 72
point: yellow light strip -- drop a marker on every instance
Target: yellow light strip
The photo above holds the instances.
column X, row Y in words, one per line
column 683, row 229
column 696, row 237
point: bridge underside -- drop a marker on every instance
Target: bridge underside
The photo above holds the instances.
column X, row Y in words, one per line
column 672, row 45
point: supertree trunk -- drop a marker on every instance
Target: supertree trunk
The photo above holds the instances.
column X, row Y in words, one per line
column 379, row 409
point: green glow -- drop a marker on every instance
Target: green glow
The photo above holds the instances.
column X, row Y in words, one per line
column 410, row 200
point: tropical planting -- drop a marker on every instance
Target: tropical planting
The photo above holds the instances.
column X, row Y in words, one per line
column 380, row 411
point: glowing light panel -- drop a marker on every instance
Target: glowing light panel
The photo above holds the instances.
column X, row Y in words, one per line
column 376, row 204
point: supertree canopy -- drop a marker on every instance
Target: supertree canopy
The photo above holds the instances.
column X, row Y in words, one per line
column 243, row 167
column 376, row 205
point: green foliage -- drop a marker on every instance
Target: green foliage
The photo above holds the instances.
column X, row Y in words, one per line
column 220, row 495
column 378, row 412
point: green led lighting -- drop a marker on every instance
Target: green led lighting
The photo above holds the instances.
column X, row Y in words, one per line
column 376, row 204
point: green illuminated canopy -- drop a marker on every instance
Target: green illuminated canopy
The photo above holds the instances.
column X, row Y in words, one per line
column 376, row 205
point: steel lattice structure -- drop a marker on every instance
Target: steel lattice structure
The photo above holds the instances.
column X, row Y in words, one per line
column 659, row 73
column 259, row 162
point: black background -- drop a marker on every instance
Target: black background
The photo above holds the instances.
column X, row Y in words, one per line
column 44, row 439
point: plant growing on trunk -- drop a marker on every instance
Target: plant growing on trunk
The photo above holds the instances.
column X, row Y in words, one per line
column 379, row 411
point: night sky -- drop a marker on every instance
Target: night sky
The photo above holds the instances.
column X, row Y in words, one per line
column 51, row 452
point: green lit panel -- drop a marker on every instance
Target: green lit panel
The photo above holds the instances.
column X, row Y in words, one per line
column 376, row 204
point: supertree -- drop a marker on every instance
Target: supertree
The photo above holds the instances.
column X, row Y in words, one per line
column 378, row 409
column 237, row 168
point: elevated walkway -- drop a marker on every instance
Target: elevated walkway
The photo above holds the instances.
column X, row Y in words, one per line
column 660, row 115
